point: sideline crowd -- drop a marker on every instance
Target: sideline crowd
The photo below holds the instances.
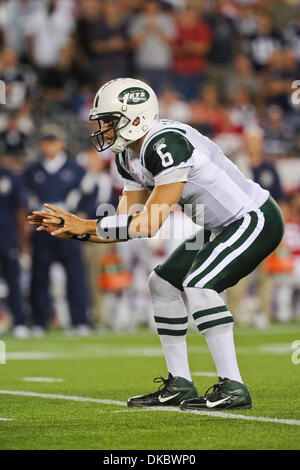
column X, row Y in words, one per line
column 230, row 68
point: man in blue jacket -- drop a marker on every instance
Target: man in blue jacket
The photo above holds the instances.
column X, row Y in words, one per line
column 56, row 177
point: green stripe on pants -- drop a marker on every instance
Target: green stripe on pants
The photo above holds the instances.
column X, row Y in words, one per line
column 194, row 276
column 180, row 262
column 264, row 243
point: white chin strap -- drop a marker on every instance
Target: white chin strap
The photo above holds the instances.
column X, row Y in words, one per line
column 120, row 145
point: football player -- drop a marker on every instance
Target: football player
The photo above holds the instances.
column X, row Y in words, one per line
column 164, row 163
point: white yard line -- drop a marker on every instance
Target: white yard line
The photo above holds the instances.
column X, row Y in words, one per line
column 62, row 397
column 41, row 379
column 216, row 414
column 6, row 419
column 264, row 419
column 148, row 351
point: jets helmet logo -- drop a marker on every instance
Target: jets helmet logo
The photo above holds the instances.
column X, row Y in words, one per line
column 133, row 96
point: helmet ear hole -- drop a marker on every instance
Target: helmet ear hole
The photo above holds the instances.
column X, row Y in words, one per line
column 136, row 121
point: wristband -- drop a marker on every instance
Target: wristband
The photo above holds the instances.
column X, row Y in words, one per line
column 82, row 238
column 114, row 227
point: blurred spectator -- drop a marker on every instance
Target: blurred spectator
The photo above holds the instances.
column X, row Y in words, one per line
column 88, row 24
column 20, row 88
column 95, row 165
column 152, row 33
column 261, row 170
column 291, row 34
column 242, row 111
column 253, row 164
column 110, row 44
column 291, row 69
column 289, row 171
column 279, row 76
column 12, row 242
column 48, row 29
column 209, row 116
column 87, row 156
column 171, row 106
column 102, row 39
column 242, row 76
column 287, row 304
column 246, row 23
column 61, row 83
column 264, row 43
column 193, row 42
column 13, row 142
column 279, row 135
column 223, row 47
column 134, row 305
column 56, row 179
column 287, row 263
column 16, row 14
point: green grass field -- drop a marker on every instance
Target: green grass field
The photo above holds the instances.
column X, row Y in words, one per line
column 85, row 408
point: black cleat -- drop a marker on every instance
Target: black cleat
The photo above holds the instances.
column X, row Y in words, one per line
column 227, row 394
column 171, row 392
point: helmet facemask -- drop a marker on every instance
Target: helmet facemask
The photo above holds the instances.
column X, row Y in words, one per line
column 110, row 136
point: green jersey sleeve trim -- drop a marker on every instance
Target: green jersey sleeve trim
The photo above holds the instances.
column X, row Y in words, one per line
column 121, row 170
column 166, row 150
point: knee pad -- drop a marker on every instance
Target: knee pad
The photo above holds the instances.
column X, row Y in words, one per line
column 162, row 289
column 202, row 299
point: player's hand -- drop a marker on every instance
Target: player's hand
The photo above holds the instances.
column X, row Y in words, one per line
column 52, row 224
column 68, row 223
column 36, row 218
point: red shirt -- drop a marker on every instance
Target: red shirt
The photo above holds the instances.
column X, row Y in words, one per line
column 189, row 63
column 292, row 236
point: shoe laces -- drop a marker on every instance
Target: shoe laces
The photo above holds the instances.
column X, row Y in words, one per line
column 163, row 383
column 216, row 389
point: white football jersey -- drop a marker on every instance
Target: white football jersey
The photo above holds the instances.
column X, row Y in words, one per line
column 215, row 192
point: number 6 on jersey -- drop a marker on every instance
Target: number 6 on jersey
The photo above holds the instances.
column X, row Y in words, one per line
column 166, row 158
